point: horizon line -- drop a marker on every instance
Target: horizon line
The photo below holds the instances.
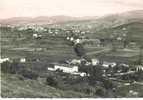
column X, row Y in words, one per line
column 32, row 17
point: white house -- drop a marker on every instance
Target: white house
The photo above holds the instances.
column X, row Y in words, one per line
column 75, row 61
column 68, row 38
column 35, row 35
column 22, row 60
column 139, row 67
column 77, row 41
column 3, row 60
column 82, row 74
column 95, row 61
column 51, row 69
column 107, row 64
column 71, row 39
column 65, row 68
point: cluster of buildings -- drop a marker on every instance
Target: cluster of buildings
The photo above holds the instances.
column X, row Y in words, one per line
column 72, row 66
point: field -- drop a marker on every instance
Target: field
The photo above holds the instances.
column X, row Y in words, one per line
column 13, row 87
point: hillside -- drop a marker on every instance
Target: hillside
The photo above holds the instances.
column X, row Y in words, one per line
column 107, row 21
column 12, row 86
column 51, row 48
column 133, row 30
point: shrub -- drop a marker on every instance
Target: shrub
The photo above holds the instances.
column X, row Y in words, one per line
column 100, row 91
column 108, row 84
column 29, row 74
column 51, row 81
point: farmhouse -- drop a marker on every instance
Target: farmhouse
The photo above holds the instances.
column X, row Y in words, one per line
column 107, row 64
column 64, row 67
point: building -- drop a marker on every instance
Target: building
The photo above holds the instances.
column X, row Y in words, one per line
column 64, row 67
column 75, row 61
column 35, row 35
column 3, row 60
column 107, row 64
column 22, row 60
column 94, row 61
column 82, row 74
column 139, row 67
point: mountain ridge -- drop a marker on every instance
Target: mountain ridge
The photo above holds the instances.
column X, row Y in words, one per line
column 136, row 15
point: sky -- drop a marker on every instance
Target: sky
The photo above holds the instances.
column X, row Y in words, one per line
column 77, row 8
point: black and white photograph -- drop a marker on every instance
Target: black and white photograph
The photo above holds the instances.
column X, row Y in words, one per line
column 71, row 49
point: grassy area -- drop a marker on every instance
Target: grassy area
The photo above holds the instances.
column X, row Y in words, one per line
column 13, row 87
column 124, row 91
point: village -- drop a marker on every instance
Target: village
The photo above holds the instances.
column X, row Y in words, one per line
column 89, row 61
column 72, row 66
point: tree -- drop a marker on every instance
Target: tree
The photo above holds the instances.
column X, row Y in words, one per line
column 108, row 84
column 79, row 49
column 95, row 74
column 9, row 67
column 100, row 91
column 5, row 67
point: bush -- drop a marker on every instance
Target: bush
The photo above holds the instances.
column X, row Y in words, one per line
column 51, row 81
column 100, row 91
column 29, row 74
column 108, row 84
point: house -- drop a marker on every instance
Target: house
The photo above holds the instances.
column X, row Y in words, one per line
column 77, row 41
column 82, row 74
column 139, row 67
column 68, row 38
column 107, row 64
column 67, row 68
column 35, row 35
column 75, row 61
column 71, row 39
column 64, row 67
column 94, row 61
column 3, row 60
column 22, row 60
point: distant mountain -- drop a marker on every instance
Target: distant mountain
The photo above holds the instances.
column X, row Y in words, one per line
column 87, row 22
column 107, row 21
column 134, row 31
column 37, row 20
column 122, row 18
column 42, row 19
